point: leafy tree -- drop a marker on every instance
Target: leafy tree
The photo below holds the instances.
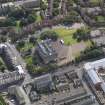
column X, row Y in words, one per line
column 23, row 22
column 31, row 17
column 89, row 53
column 82, row 34
column 2, row 68
column 56, row 4
column 20, row 44
column 18, row 13
column 55, row 11
column 32, row 39
column 3, row 39
column 49, row 35
column 71, row 17
column 43, row 6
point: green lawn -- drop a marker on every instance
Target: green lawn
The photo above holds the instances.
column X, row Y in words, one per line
column 27, row 46
column 1, row 60
column 88, row 43
column 66, row 35
column 2, row 65
column 38, row 19
column 28, row 60
column 17, row 26
column 100, row 18
column 2, row 101
column 95, row 2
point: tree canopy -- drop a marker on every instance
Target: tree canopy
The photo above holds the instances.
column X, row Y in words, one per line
column 49, row 35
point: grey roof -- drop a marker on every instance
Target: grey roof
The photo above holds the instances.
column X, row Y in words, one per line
column 94, row 76
column 46, row 48
column 43, row 78
column 92, row 10
column 11, row 55
column 44, row 81
column 28, row 3
column 95, row 33
column 95, row 65
column 103, row 86
column 7, row 78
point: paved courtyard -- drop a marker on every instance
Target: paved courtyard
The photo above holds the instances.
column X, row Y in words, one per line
column 68, row 53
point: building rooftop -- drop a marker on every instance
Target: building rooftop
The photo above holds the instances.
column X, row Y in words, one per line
column 95, row 65
column 94, row 76
column 46, row 48
column 95, row 33
column 8, row 78
column 42, row 81
column 11, row 54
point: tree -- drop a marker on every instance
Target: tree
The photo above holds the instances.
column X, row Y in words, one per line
column 23, row 22
column 3, row 38
column 31, row 17
column 49, row 35
column 82, row 34
column 18, row 13
column 2, row 68
column 20, row 44
column 90, row 53
column 43, row 6
column 71, row 18
column 56, row 4
column 32, row 39
column 8, row 22
column 55, row 11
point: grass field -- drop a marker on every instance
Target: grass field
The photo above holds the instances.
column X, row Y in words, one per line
column 27, row 46
column 66, row 35
column 28, row 60
column 38, row 19
column 88, row 43
column 17, row 26
column 100, row 18
column 94, row 1
column 2, row 101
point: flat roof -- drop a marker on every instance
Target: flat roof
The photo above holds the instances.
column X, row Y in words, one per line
column 94, row 76
column 103, row 86
column 46, row 47
column 95, row 65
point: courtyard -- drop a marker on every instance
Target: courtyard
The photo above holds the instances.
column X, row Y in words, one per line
column 71, row 47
